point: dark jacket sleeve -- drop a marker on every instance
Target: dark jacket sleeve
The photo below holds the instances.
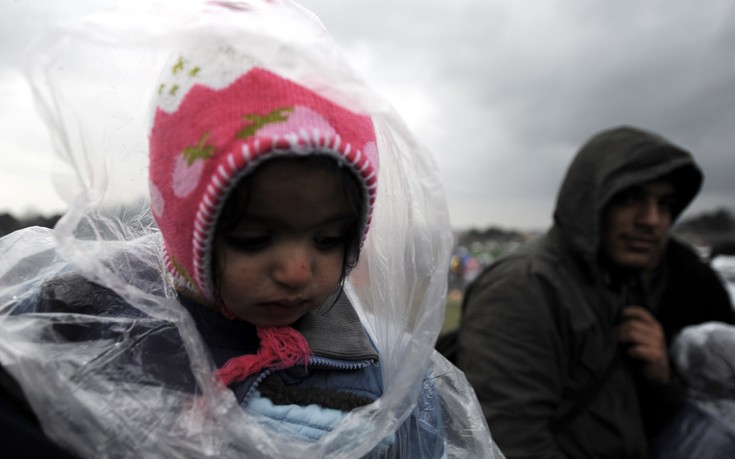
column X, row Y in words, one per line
column 511, row 354
column 20, row 431
column 694, row 293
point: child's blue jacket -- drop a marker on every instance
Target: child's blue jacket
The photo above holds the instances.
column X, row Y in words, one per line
column 343, row 373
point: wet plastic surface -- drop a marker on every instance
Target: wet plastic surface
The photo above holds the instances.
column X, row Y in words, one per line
column 116, row 368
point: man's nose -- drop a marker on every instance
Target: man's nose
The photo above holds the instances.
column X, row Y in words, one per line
column 649, row 212
column 293, row 267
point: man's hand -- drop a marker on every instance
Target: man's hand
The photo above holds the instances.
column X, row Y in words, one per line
column 646, row 343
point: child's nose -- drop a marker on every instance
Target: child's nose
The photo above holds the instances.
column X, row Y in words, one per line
column 294, row 267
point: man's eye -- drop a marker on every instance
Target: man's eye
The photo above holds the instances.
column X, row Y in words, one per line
column 248, row 243
column 627, row 197
column 667, row 203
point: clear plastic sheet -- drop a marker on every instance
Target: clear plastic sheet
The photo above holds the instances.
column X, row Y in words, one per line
column 724, row 265
column 704, row 356
column 704, row 425
column 137, row 382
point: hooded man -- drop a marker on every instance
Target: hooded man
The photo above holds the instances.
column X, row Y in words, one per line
column 565, row 340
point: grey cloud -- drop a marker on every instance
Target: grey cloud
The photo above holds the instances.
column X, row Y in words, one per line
column 515, row 88
column 520, row 87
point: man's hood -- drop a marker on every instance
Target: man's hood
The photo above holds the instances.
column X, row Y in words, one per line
column 608, row 163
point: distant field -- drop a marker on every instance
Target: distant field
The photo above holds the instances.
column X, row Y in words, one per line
column 452, row 313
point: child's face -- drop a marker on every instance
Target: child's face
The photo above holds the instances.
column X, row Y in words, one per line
column 284, row 256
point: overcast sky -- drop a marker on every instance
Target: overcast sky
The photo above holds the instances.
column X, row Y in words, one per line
column 503, row 92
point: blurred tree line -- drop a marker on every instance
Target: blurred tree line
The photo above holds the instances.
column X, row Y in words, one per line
column 704, row 229
column 9, row 223
column 713, row 230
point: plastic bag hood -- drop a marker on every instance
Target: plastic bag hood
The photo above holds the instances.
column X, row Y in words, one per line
column 137, row 381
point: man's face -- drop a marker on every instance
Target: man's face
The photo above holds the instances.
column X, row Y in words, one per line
column 636, row 223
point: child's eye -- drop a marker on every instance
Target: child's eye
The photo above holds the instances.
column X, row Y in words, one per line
column 328, row 242
column 248, row 243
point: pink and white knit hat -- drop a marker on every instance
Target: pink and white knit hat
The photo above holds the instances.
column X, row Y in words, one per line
column 216, row 118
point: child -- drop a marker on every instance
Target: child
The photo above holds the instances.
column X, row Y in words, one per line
column 264, row 190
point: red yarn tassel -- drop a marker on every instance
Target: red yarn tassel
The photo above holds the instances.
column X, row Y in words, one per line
column 280, row 347
column 227, row 312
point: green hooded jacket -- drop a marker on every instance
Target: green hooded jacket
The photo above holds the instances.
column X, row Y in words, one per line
column 538, row 326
